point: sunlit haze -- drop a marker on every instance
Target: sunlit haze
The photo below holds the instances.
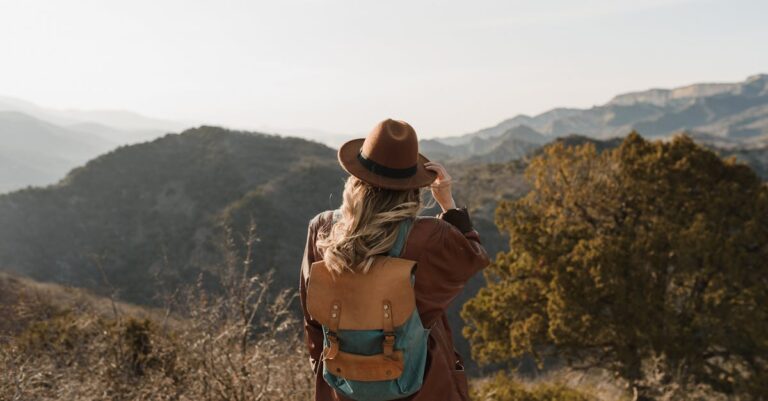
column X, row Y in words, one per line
column 447, row 67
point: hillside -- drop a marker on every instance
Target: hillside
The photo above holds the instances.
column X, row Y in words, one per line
column 62, row 343
column 160, row 204
column 38, row 145
column 120, row 121
column 514, row 143
column 727, row 114
column 16, row 291
column 117, row 346
column 26, row 156
column 755, row 157
column 158, row 209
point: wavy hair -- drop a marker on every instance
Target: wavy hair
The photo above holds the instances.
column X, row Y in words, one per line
column 367, row 226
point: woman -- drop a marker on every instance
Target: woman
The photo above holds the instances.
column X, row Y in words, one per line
column 387, row 175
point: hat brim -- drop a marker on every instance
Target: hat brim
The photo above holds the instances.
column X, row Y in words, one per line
column 347, row 156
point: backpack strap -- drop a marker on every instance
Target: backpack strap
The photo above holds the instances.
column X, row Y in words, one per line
column 402, row 235
column 333, row 328
column 389, row 330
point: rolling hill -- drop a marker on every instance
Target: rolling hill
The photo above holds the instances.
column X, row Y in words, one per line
column 139, row 207
column 733, row 115
column 514, row 143
column 132, row 126
column 38, row 145
column 35, row 152
column 160, row 208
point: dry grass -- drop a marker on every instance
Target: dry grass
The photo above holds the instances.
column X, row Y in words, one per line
column 597, row 383
column 594, row 384
column 240, row 343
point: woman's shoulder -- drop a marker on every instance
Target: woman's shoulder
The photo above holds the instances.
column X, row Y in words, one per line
column 439, row 223
column 321, row 216
column 321, row 219
column 428, row 221
column 451, row 226
column 427, row 229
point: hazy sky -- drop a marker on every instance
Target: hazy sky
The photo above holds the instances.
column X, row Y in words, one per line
column 447, row 67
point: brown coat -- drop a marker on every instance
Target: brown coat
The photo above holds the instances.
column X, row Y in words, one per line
column 448, row 253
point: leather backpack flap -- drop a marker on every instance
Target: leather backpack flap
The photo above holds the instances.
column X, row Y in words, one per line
column 361, row 295
column 366, row 367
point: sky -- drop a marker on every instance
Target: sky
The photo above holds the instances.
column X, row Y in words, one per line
column 447, row 67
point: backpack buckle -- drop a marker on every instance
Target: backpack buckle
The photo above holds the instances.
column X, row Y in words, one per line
column 333, row 350
column 389, row 344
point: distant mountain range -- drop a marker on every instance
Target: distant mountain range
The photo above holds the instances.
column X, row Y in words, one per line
column 121, row 126
column 38, row 146
column 161, row 205
column 35, row 152
column 727, row 115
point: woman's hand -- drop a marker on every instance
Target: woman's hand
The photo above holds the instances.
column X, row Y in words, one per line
column 441, row 187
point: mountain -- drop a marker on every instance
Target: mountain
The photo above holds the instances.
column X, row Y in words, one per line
column 38, row 145
column 332, row 139
column 119, row 136
column 533, row 123
column 754, row 157
column 721, row 114
column 141, row 206
column 161, row 207
column 513, row 143
column 35, row 152
column 122, row 121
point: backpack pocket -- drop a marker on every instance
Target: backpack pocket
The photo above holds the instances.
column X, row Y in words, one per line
column 413, row 374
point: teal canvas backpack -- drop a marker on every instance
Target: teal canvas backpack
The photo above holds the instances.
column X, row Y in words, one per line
column 374, row 345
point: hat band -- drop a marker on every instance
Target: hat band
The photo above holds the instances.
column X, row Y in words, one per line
column 385, row 171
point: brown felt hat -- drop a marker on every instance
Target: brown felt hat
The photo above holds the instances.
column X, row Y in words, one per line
column 387, row 158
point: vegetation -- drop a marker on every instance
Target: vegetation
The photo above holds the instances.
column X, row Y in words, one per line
column 647, row 260
column 503, row 387
column 755, row 157
column 164, row 203
column 241, row 343
column 639, row 258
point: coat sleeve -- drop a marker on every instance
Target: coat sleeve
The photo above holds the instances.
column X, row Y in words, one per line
column 459, row 247
column 313, row 332
column 452, row 256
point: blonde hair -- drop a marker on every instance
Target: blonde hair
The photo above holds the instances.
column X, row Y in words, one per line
column 367, row 226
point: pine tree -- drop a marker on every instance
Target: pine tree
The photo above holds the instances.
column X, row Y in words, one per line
column 649, row 260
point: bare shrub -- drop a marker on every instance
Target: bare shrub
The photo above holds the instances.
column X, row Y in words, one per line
column 239, row 342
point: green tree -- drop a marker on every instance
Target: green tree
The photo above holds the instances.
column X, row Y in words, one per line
column 649, row 260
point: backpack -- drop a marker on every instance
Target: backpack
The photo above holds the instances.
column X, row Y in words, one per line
column 374, row 344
